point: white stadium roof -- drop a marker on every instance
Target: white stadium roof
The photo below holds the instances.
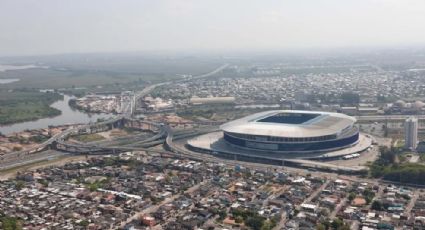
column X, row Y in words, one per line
column 325, row 123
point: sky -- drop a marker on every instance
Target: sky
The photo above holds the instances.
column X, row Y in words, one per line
column 36, row 27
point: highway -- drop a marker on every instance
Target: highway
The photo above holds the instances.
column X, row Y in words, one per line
column 150, row 88
column 387, row 118
column 57, row 137
column 45, row 155
column 14, row 157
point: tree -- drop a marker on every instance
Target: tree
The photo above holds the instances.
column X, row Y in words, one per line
column 368, row 195
column 93, row 187
column 377, row 205
column 222, row 214
column 350, row 98
column 43, row 182
column 321, row 227
column 267, row 225
column 255, row 222
column 19, row 184
column 84, row 223
column 16, row 148
column 351, row 196
column 239, row 219
column 10, row 223
column 338, row 224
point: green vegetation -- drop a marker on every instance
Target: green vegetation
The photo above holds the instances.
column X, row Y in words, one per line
column 351, row 196
column 368, row 194
column 26, row 105
column 106, row 72
column 19, row 184
column 350, row 98
column 94, row 186
column 43, row 182
column 253, row 220
column 377, row 205
column 216, row 112
column 84, row 223
column 194, row 114
column 77, row 81
column 38, row 138
column 23, row 140
column 89, row 137
column 73, row 104
column 388, row 167
column 336, row 224
column 10, row 223
column 386, row 99
column 399, row 143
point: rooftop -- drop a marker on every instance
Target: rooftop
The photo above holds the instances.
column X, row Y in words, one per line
column 290, row 123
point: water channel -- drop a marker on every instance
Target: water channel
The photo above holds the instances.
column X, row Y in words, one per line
column 68, row 116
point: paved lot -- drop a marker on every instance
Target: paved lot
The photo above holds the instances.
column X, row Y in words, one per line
column 214, row 141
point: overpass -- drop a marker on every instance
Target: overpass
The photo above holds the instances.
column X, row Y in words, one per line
column 234, row 158
column 57, row 141
column 173, row 150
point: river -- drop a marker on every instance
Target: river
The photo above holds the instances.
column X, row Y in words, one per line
column 68, row 116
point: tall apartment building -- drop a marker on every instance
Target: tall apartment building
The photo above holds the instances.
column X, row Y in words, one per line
column 411, row 133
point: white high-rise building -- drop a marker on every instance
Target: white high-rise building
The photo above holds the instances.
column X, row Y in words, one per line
column 411, row 133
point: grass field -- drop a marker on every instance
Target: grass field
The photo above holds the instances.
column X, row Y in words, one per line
column 104, row 71
column 19, row 106
column 89, row 137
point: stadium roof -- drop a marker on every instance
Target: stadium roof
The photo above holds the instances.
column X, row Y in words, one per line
column 290, row 123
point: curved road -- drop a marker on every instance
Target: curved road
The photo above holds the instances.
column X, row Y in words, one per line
column 22, row 157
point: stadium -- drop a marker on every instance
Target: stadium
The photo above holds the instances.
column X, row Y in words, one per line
column 291, row 131
column 309, row 139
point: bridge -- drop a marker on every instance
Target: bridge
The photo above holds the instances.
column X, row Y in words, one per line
column 57, row 142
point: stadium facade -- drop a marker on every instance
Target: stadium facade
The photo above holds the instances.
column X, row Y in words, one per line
column 292, row 131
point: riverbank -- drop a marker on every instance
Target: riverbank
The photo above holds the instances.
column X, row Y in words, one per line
column 68, row 115
column 21, row 106
column 89, row 109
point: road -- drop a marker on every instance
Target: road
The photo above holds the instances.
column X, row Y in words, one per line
column 45, row 155
column 150, row 88
column 412, row 202
column 355, row 225
column 377, row 195
column 154, row 208
column 222, row 67
column 338, row 208
column 414, row 159
column 15, row 158
column 387, row 117
column 316, row 192
column 282, row 221
column 37, row 153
